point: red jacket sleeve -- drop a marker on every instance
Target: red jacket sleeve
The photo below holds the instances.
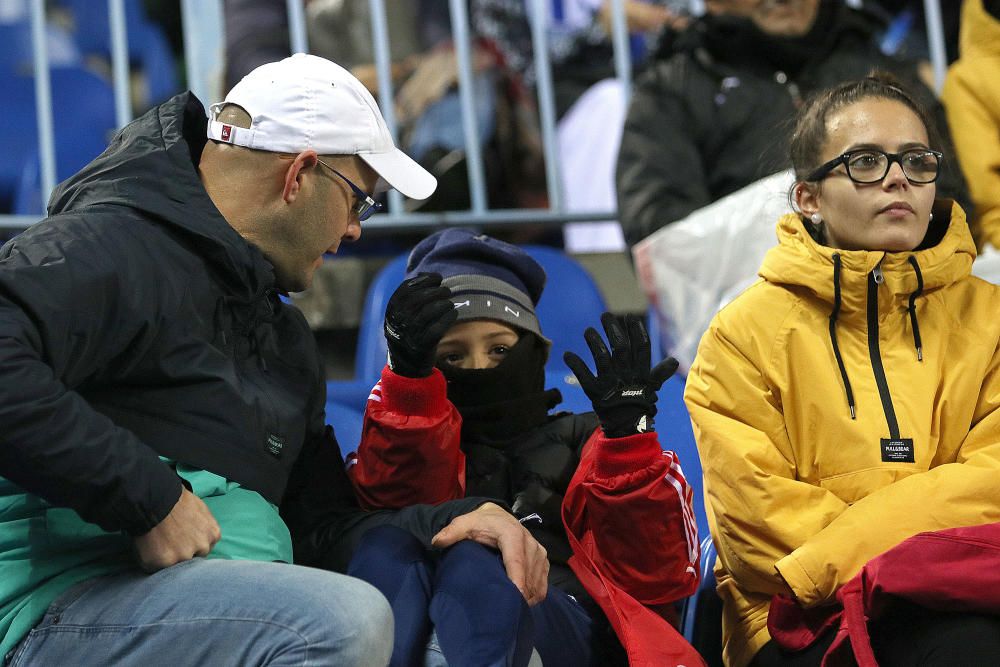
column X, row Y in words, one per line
column 410, row 444
column 629, row 518
column 629, row 510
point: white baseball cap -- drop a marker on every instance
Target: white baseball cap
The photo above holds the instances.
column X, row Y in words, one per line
column 305, row 101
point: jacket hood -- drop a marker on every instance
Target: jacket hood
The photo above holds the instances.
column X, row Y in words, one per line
column 980, row 32
column 798, row 260
column 151, row 167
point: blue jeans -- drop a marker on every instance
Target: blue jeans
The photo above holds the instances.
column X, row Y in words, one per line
column 464, row 595
column 214, row 612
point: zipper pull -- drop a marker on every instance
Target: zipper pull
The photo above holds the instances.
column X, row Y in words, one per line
column 877, row 274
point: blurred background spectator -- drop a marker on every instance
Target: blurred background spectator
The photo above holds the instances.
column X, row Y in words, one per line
column 706, row 118
column 972, row 98
column 593, row 104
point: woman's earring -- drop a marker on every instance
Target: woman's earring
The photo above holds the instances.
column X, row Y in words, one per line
column 817, row 219
column 931, row 219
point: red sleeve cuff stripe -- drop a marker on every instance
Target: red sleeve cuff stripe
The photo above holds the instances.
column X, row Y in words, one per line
column 685, row 496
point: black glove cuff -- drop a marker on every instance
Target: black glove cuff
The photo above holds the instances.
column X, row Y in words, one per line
column 400, row 366
column 625, row 423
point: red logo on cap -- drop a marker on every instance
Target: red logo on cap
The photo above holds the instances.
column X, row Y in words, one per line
column 227, row 131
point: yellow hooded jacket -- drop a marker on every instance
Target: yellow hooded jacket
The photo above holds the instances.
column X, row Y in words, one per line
column 971, row 96
column 796, row 488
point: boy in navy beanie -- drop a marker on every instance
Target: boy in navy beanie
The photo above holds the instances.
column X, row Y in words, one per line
column 462, row 410
column 494, row 288
column 488, row 278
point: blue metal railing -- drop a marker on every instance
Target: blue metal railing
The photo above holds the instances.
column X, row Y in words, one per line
column 202, row 25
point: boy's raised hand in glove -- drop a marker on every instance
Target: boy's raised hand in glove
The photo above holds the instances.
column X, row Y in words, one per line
column 418, row 315
column 624, row 390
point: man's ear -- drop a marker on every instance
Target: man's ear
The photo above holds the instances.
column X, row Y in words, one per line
column 807, row 196
column 303, row 162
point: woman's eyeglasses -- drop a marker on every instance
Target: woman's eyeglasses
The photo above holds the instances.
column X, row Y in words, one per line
column 870, row 165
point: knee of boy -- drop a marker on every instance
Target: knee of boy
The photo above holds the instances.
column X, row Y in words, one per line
column 472, row 563
column 469, row 568
column 387, row 545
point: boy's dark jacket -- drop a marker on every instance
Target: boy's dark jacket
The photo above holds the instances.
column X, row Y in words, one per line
column 136, row 323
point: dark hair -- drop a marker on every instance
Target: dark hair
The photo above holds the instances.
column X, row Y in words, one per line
column 810, row 126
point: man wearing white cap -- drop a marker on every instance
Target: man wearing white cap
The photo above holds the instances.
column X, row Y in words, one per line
column 162, row 407
column 325, row 124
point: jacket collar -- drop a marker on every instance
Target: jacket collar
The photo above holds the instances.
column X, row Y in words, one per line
column 151, row 166
column 798, row 260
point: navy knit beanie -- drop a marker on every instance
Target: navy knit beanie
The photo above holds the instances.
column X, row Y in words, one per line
column 488, row 278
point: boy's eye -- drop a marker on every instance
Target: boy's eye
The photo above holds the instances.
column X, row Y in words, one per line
column 451, row 358
column 499, row 350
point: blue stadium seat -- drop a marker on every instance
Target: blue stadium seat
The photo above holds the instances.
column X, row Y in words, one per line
column 656, row 351
column 570, row 303
column 347, row 422
column 17, row 57
column 92, row 25
column 370, row 356
column 156, row 61
column 701, row 617
column 674, row 425
column 148, row 49
column 84, row 120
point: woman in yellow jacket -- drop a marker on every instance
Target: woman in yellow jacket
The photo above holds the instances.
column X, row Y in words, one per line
column 851, row 397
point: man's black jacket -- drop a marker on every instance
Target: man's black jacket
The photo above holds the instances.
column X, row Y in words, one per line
column 136, row 323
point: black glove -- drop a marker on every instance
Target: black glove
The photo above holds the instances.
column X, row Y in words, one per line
column 624, row 391
column 418, row 314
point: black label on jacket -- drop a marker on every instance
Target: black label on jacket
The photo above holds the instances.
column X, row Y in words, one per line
column 275, row 444
column 897, row 450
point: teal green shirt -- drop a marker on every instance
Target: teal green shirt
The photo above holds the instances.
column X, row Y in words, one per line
column 44, row 550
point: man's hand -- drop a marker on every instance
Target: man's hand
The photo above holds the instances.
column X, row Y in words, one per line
column 189, row 530
column 524, row 558
column 418, row 315
column 433, row 76
column 624, row 391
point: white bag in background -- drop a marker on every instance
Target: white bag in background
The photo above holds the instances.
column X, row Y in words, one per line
column 693, row 267
column 987, row 265
column 588, row 137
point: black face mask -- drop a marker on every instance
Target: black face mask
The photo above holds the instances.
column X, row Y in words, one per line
column 739, row 37
column 503, row 402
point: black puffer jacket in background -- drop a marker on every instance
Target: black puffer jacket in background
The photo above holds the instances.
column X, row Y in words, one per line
column 715, row 113
column 135, row 323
